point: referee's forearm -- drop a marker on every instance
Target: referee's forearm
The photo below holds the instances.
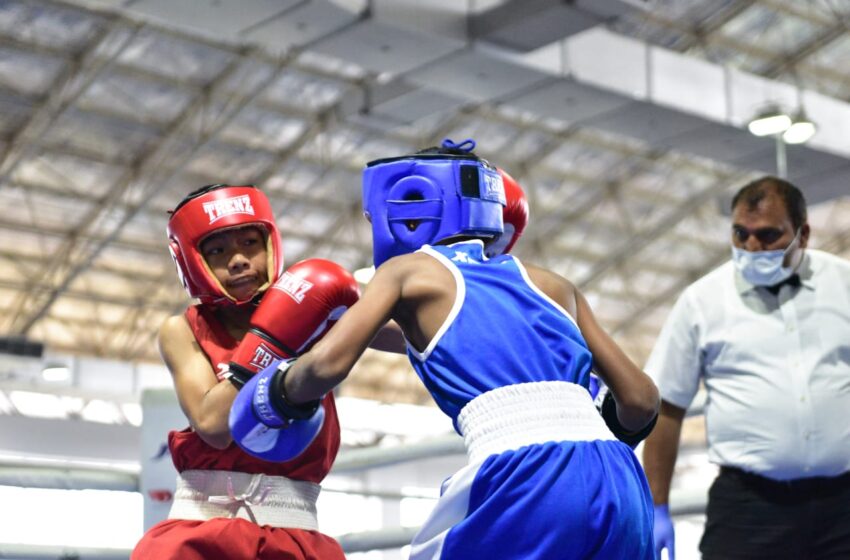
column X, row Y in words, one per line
column 660, row 451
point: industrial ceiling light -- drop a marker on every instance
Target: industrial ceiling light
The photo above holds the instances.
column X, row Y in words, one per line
column 800, row 131
column 769, row 122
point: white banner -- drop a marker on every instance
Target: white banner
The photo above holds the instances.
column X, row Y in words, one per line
column 158, row 479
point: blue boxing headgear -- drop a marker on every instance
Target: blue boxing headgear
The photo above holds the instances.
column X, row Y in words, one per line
column 423, row 198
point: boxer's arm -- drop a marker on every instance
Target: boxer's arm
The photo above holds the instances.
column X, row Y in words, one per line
column 659, row 459
column 634, row 392
column 389, row 339
column 205, row 401
column 660, row 450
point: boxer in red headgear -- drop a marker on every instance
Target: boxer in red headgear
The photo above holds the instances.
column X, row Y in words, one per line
column 230, row 505
column 212, row 210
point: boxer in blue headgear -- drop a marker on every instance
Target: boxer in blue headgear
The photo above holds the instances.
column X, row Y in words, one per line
column 505, row 350
column 431, row 196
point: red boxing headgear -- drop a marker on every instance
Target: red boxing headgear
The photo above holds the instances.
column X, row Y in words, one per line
column 209, row 210
column 514, row 216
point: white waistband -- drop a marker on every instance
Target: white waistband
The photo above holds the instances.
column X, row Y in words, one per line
column 527, row 413
column 265, row 500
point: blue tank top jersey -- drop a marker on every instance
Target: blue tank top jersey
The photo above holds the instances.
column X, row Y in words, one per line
column 502, row 330
column 558, row 498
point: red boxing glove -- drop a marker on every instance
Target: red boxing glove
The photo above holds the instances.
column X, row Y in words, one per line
column 296, row 311
column 514, row 216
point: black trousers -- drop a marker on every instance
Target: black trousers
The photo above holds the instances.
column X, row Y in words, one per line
column 753, row 517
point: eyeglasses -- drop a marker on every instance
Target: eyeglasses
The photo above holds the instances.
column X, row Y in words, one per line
column 766, row 236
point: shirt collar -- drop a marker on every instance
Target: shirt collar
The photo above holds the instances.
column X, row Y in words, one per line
column 806, row 272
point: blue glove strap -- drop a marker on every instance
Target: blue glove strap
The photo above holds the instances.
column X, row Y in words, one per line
column 262, row 398
column 264, row 425
column 269, row 401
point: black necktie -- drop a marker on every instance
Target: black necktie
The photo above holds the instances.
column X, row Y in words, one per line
column 793, row 281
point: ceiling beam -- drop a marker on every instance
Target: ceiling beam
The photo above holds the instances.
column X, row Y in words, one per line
column 719, row 17
column 788, row 62
column 663, row 225
column 669, row 295
column 124, row 300
column 148, row 177
column 738, row 45
column 77, row 76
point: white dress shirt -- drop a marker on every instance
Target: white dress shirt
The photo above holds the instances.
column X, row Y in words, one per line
column 776, row 368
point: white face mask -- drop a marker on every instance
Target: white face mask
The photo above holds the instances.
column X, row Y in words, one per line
column 764, row 268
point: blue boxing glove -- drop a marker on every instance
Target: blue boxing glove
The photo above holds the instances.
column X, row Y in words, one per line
column 264, row 424
column 663, row 533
